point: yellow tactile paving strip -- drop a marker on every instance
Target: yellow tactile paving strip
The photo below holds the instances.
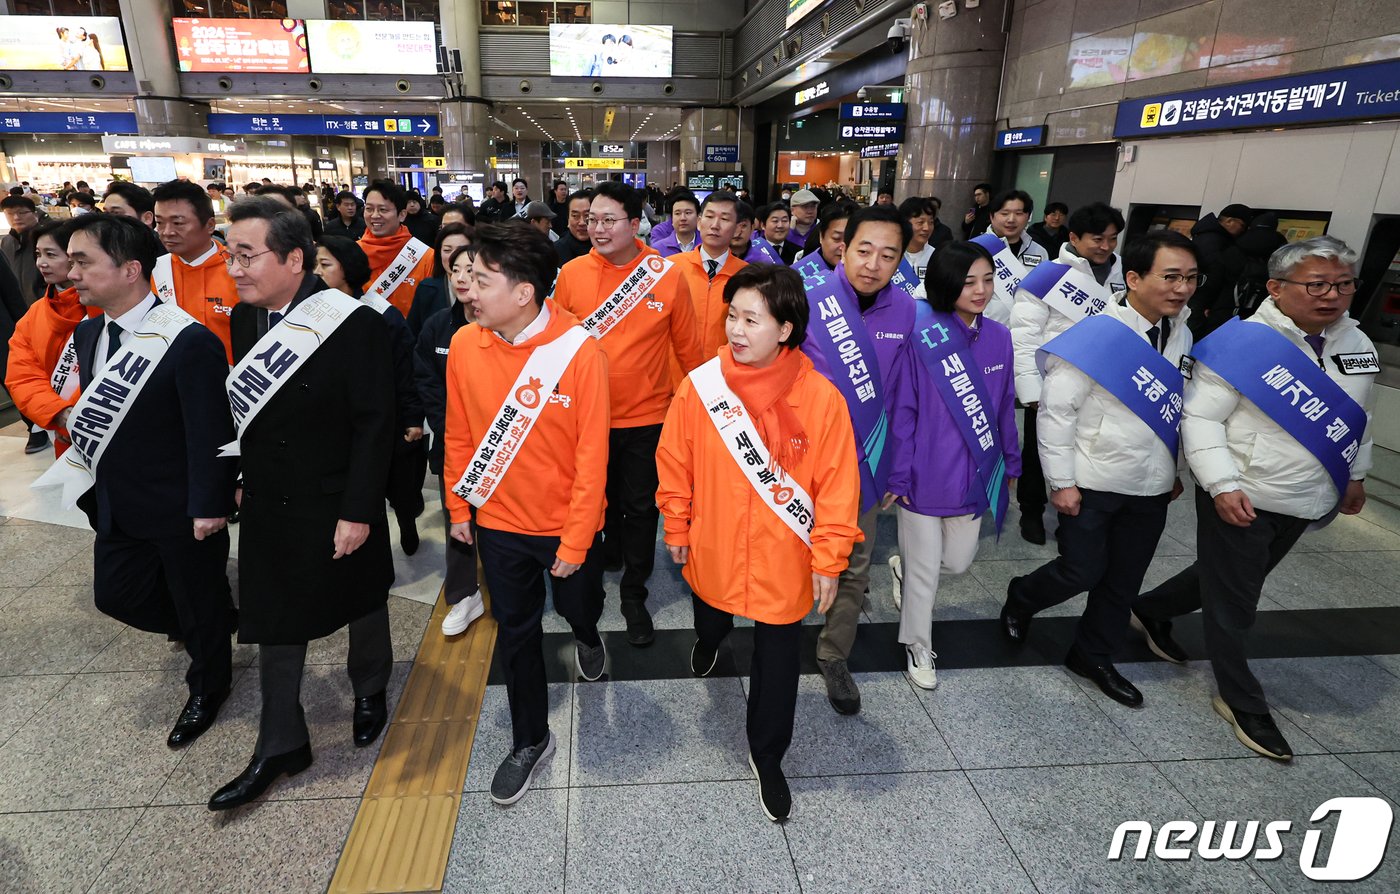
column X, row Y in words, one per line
column 402, row 834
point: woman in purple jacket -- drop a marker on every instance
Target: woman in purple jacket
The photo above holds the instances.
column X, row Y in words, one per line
column 955, row 443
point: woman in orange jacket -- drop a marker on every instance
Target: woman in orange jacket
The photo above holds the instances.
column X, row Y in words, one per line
column 41, row 390
column 760, row 495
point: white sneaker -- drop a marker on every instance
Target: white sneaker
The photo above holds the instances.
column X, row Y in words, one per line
column 462, row 614
column 897, row 573
column 920, row 668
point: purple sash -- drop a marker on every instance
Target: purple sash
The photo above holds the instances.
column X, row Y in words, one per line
column 906, row 277
column 837, row 327
column 761, row 251
column 1108, row 351
column 946, row 356
column 1264, row 366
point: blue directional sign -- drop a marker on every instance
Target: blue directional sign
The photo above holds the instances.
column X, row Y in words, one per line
column 722, row 154
column 889, row 133
column 1021, row 138
column 874, row 111
column 1339, row 94
column 325, row 125
column 880, row 150
column 68, row 122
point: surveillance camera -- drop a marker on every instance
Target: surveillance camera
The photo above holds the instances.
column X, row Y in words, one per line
column 898, row 34
column 862, row 94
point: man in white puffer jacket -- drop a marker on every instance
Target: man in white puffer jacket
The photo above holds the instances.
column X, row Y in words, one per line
column 1259, row 487
column 1094, row 231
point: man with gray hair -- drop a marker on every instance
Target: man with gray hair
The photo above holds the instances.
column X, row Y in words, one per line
column 1276, row 428
column 312, row 395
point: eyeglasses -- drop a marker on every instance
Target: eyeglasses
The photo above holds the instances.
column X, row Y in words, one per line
column 1176, row 279
column 607, row 223
column 244, row 261
column 1318, row 288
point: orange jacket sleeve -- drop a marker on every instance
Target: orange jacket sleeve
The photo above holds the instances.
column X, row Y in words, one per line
column 587, row 498
column 564, row 291
column 458, row 440
column 27, row 380
column 675, row 468
column 836, row 493
column 685, row 331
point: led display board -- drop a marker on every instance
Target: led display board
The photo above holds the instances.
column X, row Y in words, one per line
column 356, row 47
column 62, row 43
column 241, row 45
column 610, row 51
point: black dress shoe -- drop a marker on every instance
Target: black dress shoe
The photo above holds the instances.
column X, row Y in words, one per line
column 1257, row 732
column 1015, row 620
column 371, row 713
column 197, row 716
column 38, row 442
column 1033, row 529
column 1159, row 638
column 1106, row 677
column 261, row 773
column 640, row 630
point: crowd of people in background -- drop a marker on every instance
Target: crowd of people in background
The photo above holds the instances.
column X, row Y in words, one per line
column 759, row 380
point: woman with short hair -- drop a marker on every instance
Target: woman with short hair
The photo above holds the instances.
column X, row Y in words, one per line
column 760, row 494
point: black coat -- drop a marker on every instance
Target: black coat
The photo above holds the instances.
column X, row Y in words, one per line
column 431, row 296
column 1211, row 241
column 430, row 370
column 423, row 226
column 162, row 467
column 569, row 248
column 336, row 227
column 319, row 451
column 13, row 307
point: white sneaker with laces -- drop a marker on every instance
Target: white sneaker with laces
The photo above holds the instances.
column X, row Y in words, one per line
column 920, row 669
column 897, row 573
column 462, row 614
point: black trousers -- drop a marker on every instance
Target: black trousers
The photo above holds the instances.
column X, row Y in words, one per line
column 1104, row 550
column 177, row 586
column 1031, row 495
column 515, row 566
column 630, row 523
column 370, row 661
column 772, row 678
column 406, row 470
column 460, row 581
column 1225, row 583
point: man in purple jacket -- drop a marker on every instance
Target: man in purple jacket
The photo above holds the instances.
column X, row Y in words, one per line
column 685, row 217
column 858, row 338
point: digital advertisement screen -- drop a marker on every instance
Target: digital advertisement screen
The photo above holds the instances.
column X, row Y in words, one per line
column 354, row 47
column 62, row 43
column 610, row 51
column 798, row 10
column 152, row 169
column 241, row 45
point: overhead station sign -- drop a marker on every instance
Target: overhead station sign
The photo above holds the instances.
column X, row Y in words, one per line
column 890, row 133
column 241, row 45
column 324, row 125
column 68, row 122
column 1358, row 92
column 880, row 150
column 594, row 164
column 874, row 111
column 1021, row 138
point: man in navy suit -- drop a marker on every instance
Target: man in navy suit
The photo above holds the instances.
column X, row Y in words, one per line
column 162, row 495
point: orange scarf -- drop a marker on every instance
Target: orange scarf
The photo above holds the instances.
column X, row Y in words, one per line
column 67, row 307
column 382, row 249
column 763, row 392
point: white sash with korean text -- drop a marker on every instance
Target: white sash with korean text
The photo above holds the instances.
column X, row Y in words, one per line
column 163, row 276
column 628, row 295
column 516, row 418
column 64, row 379
column 279, row 354
column 95, row 418
column 778, row 491
column 377, row 304
column 399, row 268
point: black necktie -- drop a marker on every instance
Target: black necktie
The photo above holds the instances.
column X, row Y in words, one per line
column 273, row 318
column 711, row 267
column 114, row 339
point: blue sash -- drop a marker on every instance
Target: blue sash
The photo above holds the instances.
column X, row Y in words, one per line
column 1108, row 351
column 838, row 328
column 761, row 251
column 1263, row 365
column 943, row 349
column 1044, row 277
column 906, row 277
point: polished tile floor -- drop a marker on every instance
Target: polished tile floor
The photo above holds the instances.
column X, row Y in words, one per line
column 1011, row 776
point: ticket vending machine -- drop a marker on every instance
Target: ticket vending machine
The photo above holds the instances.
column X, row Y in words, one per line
column 1377, row 305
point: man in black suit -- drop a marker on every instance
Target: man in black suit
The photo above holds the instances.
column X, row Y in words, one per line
column 316, row 437
column 161, row 495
